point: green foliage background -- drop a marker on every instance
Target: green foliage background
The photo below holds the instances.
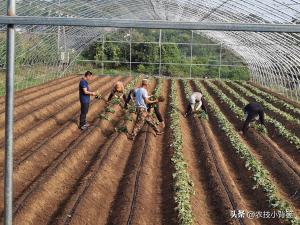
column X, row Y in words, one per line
column 173, row 52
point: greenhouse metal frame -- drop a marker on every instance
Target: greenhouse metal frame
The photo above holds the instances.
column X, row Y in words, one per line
column 265, row 34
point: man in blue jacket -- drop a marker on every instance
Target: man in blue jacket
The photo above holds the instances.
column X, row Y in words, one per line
column 84, row 97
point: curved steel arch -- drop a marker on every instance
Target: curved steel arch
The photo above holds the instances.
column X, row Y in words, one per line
column 272, row 58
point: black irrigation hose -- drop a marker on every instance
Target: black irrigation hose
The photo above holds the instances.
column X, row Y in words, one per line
column 47, row 172
column 136, row 184
column 281, row 157
column 78, row 200
column 229, row 194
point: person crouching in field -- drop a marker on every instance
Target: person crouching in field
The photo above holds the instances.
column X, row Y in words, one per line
column 141, row 101
column 151, row 107
column 196, row 98
column 118, row 91
column 155, row 107
column 84, row 97
column 253, row 111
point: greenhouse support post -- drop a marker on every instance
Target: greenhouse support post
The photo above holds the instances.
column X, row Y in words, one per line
column 130, row 49
column 9, row 109
column 220, row 60
column 159, row 72
column 102, row 63
column 191, row 59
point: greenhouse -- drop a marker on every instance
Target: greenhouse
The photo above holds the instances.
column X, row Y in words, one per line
column 204, row 167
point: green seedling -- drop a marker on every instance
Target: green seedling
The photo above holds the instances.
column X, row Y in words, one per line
column 104, row 116
column 123, row 129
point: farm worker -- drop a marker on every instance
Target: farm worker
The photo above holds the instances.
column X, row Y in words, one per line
column 155, row 107
column 117, row 91
column 253, row 111
column 84, row 97
column 131, row 96
column 141, row 101
column 151, row 107
column 196, row 97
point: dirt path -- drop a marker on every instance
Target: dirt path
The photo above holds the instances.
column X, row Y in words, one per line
column 153, row 203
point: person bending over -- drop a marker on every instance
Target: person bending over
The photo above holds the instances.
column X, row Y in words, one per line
column 118, row 91
column 195, row 99
column 253, row 111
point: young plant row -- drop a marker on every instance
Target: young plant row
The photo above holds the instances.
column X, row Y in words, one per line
column 239, row 113
column 260, row 175
column 279, row 128
column 267, row 105
column 271, row 98
column 183, row 184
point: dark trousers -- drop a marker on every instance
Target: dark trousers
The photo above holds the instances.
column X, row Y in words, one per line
column 251, row 117
column 157, row 113
column 84, row 110
column 188, row 110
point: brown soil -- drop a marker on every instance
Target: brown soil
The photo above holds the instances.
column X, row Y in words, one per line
column 211, row 204
column 290, row 125
column 284, row 173
column 153, row 203
column 277, row 105
column 22, row 99
column 254, row 200
column 35, row 89
column 286, row 149
column 44, row 128
column 43, row 101
column 279, row 96
column 65, row 176
column 64, row 169
column 51, row 109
